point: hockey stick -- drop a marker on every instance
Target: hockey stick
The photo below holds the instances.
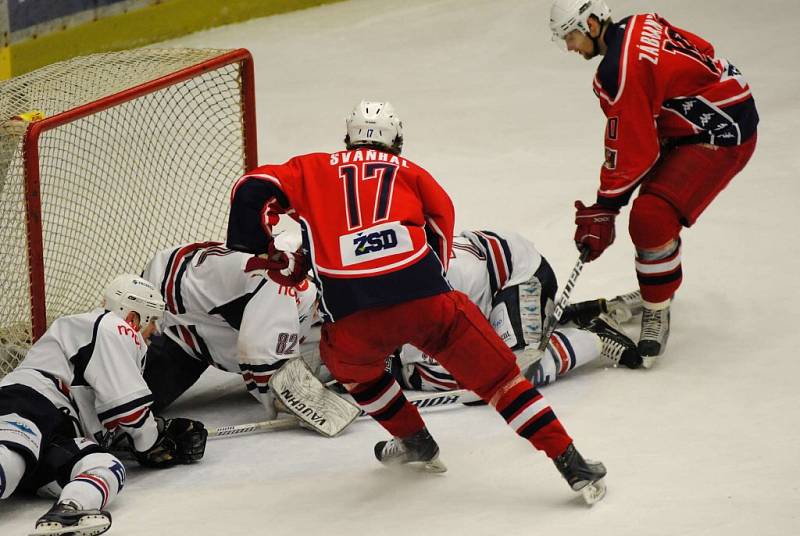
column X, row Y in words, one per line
column 551, row 321
column 424, row 401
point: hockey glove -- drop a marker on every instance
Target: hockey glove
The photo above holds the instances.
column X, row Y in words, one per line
column 179, row 441
column 595, row 228
column 287, row 268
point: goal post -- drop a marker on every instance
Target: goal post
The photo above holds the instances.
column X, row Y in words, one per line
column 126, row 153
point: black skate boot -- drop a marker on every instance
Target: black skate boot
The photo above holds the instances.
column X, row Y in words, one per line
column 66, row 518
column 418, row 448
column 654, row 334
column 617, row 347
column 582, row 475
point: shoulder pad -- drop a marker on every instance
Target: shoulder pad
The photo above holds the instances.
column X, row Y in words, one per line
column 608, row 73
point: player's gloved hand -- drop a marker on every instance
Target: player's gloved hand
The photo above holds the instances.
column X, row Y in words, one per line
column 179, row 441
column 287, row 268
column 595, row 228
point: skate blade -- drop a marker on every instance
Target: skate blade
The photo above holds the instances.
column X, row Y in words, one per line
column 594, row 492
column 88, row 526
column 649, row 361
column 434, row 466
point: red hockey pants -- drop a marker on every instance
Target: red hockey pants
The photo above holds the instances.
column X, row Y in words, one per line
column 447, row 326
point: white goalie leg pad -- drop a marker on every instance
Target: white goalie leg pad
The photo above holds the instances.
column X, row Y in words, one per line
column 530, row 310
column 303, row 395
column 96, row 480
column 12, row 469
column 524, row 339
column 313, row 359
column 21, row 434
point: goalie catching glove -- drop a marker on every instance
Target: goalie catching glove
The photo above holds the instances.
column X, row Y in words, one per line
column 287, row 268
column 180, row 441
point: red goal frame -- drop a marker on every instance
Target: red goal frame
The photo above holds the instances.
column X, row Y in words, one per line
column 30, row 154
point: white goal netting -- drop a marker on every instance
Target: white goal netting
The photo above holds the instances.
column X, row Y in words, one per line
column 151, row 143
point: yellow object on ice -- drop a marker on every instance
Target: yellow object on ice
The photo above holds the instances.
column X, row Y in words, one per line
column 33, row 115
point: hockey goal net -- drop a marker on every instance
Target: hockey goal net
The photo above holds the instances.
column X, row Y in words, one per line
column 106, row 159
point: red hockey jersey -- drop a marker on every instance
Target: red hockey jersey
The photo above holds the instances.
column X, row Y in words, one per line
column 378, row 228
column 658, row 83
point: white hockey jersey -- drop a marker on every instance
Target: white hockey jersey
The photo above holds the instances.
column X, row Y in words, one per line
column 91, row 364
column 235, row 321
column 485, row 262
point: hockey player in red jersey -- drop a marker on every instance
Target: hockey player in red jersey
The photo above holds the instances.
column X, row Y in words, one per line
column 377, row 230
column 681, row 123
column 514, row 286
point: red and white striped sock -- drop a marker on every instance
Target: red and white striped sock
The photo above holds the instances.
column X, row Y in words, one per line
column 384, row 401
column 526, row 411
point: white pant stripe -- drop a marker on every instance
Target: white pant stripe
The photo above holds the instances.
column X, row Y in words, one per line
column 383, row 400
column 528, row 413
column 658, row 268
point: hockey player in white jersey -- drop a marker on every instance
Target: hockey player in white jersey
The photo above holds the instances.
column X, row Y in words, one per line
column 222, row 312
column 80, row 383
column 514, row 286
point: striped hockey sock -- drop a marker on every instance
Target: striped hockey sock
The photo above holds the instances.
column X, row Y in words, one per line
column 88, row 490
column 528, row 413
column 569, row 349
column 384, row 401
column 659, row 274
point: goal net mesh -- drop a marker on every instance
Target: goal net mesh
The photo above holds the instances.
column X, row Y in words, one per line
column 118, row 184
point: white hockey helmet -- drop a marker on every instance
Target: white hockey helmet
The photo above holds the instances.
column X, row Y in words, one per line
column 376, row 124
column 569, row 15
column 128, row 292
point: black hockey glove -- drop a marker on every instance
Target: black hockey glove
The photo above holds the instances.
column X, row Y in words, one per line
column 583, row 313
column 179, row 441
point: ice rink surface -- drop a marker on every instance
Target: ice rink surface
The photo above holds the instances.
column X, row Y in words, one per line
column 704, row 444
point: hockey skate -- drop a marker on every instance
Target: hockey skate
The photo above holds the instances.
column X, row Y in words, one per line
column 654, row 334
column 419, row 448
column 621, row 308
column 625, row 306
column 586, row 476
column 617, row 347
column 66, row 518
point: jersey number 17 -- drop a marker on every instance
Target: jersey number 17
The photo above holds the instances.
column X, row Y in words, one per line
column 352, row 176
